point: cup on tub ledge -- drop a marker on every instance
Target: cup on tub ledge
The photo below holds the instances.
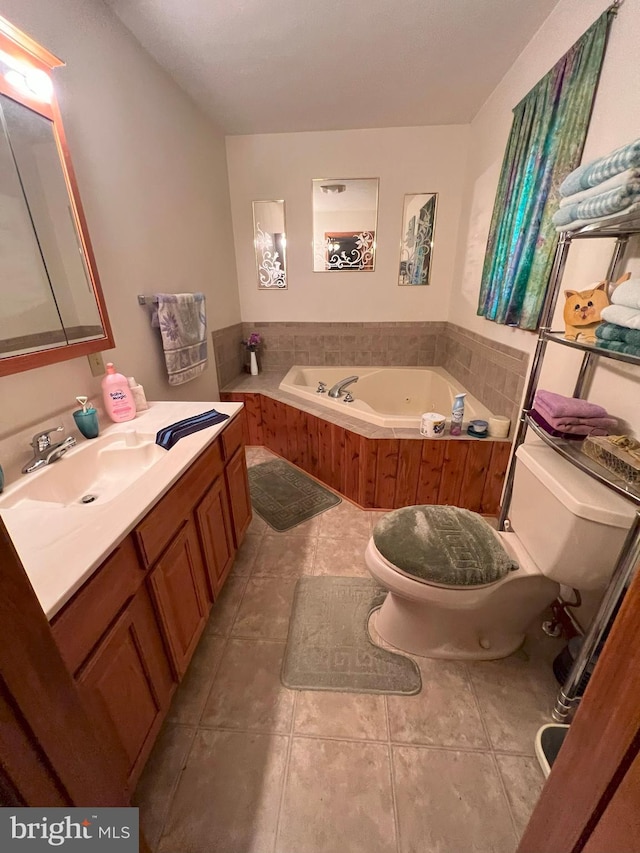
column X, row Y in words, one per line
column 432, row 424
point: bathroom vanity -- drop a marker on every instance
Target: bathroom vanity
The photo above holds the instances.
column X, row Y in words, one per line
column 127, row 626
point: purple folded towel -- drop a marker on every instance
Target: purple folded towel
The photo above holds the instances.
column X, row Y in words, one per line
column 565, row 424
column 558, row 406
column 566, row 427
column 537, row 417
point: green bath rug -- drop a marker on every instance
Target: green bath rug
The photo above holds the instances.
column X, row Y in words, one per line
column 328, row 647
column 284, row 496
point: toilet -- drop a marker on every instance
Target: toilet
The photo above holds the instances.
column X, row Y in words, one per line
column 459, row 589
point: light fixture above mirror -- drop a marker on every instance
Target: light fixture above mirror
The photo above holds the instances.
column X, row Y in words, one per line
column 416, row 238
column 51, row 304
column 345, row 213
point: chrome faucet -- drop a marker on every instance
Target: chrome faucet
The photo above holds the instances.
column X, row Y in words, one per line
column 339, row 387
column 44, row 451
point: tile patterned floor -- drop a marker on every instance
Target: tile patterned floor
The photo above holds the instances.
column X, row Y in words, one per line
column 244, row 765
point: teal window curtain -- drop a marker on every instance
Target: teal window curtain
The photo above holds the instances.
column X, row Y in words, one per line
column 546, row 142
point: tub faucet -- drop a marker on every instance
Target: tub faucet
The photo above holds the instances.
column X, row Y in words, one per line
column 339, row 387
column 44, row 452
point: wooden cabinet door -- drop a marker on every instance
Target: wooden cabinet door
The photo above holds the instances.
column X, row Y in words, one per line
column 128, row 683
column 216, row 534
column 239, row 497
column 179, row 592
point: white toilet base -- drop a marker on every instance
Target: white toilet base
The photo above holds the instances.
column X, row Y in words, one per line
column 416, row 628
column 481, row 623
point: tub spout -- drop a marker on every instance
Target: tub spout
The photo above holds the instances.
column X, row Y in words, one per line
column 339, row 387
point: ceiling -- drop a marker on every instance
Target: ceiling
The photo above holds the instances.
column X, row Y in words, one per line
column 296, row 65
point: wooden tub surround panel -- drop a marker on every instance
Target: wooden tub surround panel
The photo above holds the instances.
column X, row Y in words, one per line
column 379, row 473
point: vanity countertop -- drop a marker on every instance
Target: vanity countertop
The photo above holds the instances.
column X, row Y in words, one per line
column 61, row 546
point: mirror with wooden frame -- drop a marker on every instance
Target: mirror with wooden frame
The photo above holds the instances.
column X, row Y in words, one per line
column 51, row 303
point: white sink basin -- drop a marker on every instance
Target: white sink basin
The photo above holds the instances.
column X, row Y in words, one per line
column 93, row 473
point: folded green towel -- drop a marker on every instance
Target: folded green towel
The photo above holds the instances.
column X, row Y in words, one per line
column 610, row 332
column 619, row 346
column 613, row 332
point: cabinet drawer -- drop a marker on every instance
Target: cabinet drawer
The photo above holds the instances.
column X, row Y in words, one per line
column 160, row 526
column 79, row 626
column 233, row 435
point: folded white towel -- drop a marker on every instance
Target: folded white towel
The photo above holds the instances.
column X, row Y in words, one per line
column 622, row 315
column 612, row 184
column 627, row 294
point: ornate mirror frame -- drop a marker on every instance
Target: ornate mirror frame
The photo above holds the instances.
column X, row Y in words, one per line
column 416, row 238
column 336, row 249
column 21, row 50
column 270, row 246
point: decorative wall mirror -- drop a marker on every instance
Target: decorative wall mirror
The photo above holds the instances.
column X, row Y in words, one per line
column 416, row 240
column 345, row 214
column 51, row 304
column 270, row 243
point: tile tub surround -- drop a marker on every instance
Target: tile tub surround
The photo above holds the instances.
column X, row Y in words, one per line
column 492, row 372
column 229, row 352
column 240, row 758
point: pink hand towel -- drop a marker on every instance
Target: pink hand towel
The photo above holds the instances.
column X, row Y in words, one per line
column 558, row 406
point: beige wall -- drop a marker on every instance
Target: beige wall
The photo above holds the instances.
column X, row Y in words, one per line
column 153, row 181
column 614, row 122
column 407, row 160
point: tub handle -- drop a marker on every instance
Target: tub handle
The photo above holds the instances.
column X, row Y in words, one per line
column 348, row 397
column 322, row 387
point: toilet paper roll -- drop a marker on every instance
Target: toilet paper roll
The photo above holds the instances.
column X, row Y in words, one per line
column 499, row 426
column 432, row 424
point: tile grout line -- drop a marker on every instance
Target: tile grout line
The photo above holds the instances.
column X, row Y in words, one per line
column 506, row 796
column 213, row 680
column 285, row 778
column 492, row 753
column 235, row 616
column 174, row 787
column 476, row 750
column 394, row 800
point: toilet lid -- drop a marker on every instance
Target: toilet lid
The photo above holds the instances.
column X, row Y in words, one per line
column 442, row 545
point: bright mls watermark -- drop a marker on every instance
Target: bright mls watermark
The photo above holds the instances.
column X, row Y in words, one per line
column 80, row 830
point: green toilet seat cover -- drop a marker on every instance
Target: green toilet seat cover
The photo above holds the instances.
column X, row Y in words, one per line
column 442, row 545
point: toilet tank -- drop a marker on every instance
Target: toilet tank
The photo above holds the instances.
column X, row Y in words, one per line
column 572, row 526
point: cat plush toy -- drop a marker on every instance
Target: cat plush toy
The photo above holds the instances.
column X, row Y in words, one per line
column 582, row 312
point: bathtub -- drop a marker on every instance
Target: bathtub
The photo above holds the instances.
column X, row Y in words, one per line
column 385, row 396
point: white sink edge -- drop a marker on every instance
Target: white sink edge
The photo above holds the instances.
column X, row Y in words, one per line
column 61, row 551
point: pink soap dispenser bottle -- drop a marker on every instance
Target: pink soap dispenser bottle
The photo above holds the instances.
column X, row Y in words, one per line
column 118, row 399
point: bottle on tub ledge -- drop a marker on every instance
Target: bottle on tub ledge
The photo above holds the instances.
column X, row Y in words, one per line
column 457, row 415
column 119, row 404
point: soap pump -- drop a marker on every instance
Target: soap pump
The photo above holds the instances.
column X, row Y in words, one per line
column 457, row 414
